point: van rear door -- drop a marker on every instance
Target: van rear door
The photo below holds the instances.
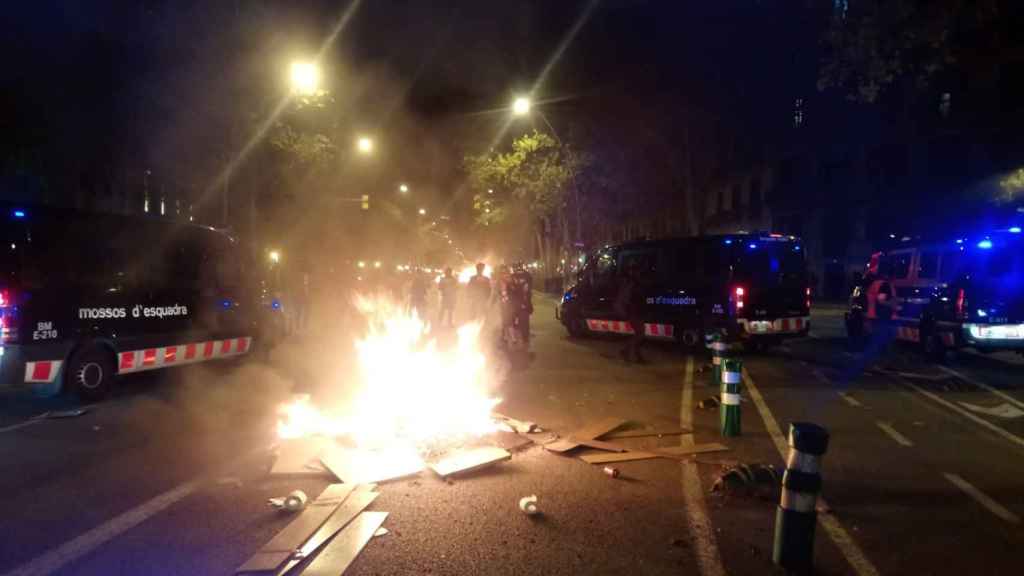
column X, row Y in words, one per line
column 773, row 276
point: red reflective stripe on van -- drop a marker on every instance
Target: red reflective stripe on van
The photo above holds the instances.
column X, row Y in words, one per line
column 127, row 361
column 207, row 349
column 41, row 371
column 149, row 357
column 190, row 351
column 225, row 347
column 170, row 354
column 242, row 345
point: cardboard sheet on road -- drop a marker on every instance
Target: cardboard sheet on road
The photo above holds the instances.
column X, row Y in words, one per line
column 355, row 466
column 646, row 433
column 294, row 455
column 340, row 552
column 462, row 461
column 353, row 505
column 281, row 547
column 673, row 452
column 592, row 431
column 601, row 445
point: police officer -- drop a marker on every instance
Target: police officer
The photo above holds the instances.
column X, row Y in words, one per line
column 479, row 289
column 447, row 286
column 522, row 283
column 629, row 305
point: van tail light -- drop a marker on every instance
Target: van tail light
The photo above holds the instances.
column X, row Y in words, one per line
column 738, row 296
column 807, row 298
column 8, row 317
column 961, row 305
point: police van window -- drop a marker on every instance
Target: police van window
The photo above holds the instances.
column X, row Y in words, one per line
column 928, row 265
column 643, row 262
column 901, row 264
column 604, row 268
column 950, row 267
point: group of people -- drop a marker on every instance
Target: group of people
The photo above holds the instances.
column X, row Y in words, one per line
column 512, row 289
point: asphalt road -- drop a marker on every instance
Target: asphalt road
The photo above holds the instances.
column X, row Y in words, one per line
column 170, row 475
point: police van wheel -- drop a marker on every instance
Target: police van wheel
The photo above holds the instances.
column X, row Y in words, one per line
column 576, row 327
column 91, row 373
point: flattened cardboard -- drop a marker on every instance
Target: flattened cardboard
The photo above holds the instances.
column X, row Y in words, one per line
column 348, row 510
column 591, row 431
column 462, row 461
column 338, row 555
column 354, row 466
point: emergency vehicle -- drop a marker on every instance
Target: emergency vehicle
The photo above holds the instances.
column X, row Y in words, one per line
column 752, row 287
column 87, row 297
column 967, row 292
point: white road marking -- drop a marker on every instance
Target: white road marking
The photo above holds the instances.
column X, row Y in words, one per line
column 72, row 550
column 850, row 550
column 980, row 421
column 899, row 438
column 850, row 400
column 982, row 498
column 708, row 557
column 983, row 386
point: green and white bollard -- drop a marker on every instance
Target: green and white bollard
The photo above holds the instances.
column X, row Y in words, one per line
column 795, row 517
column 732, row 377
column 718, row 354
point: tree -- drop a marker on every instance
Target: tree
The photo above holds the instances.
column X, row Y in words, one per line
column 528, row 189
column 871, row 44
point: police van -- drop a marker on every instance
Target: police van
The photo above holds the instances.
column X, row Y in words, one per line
column 752, row 287
column 87, row 297
column 966, row 292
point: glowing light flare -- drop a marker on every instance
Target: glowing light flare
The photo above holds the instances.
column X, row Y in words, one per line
column 408, row 391
column 305, row 77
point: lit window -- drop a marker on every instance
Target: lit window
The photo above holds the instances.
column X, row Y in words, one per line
column 798, row 113
column 945, row 104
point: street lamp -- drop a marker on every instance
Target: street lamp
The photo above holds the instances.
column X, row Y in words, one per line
column 274, row 256
column 305, row 78
column 364, row 144
column 521, row 106
column 403, row 188
column 423, row 211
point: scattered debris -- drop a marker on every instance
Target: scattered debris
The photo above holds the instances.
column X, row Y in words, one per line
column 748, row 480
column 528, row 504
column 708, row 403
column 348, row 508
column 1004, row 410
column 282, row 546
column 462, row 461
column 57, row 414
column 293, row 502
column 340, row 552
column 381, row 532
column 673, row 452
column 511, row 441
column 520, row 426
column 646, row 433
column 591, row 432
column 601, row 445
column 613, row 472
column 359, row 466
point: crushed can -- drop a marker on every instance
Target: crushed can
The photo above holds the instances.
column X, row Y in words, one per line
column 613, row 472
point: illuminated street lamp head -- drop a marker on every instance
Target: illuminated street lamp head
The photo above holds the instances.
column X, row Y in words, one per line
column 403, row 188
column 521, row 106
column 274, row 256
column 305, row 78
column 423, row 211
column 364, row 144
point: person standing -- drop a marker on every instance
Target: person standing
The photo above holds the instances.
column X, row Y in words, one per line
column 448, row 285
column 628, row 305
column 522, row 283
column 479, row 289
column 418, row 294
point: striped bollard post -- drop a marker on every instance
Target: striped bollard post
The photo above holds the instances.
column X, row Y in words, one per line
column 795, row 517
column 718, row 352
column 732, row 376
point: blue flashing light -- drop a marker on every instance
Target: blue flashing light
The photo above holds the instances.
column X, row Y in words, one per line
column 19, row 213
column 275, row 304
column 225, row 303
column 1015, row 230
column 982, row 313
column 728, row 241
column 752, row 246
column 796, row 248
column 985, row 244
column 959, row 240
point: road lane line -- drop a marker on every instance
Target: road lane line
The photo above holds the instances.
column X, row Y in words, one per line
column 982, row 498
column 72, row 550
column 840, row 537
column 709, row 559
column 980, row 421
column 899, row 438
column 850, row 400
column 982, row 385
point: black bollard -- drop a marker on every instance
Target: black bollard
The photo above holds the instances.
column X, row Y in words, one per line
column 795, row 517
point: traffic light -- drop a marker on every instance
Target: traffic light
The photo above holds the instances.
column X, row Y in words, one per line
column 366, row 201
